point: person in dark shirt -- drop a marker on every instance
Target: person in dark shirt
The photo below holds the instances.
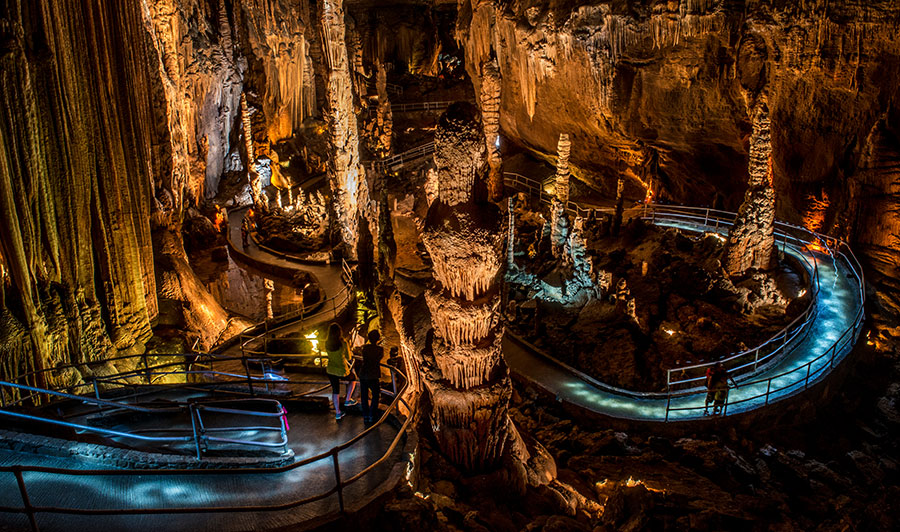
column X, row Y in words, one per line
column 370, row 376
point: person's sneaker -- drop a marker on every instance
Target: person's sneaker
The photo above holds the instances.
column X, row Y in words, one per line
column 339, row 415
column 351, row 402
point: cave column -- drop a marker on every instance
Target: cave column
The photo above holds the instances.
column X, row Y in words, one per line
column 465, row 374
column 751, row 240
column 345, row 173
column 490, row 110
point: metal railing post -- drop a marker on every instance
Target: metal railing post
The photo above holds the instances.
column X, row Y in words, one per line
column 194, row 429
column 768, row 389
column 337, row 478
column 26, row 501
column 808, row 367
column 266, row 337
column 668, row 399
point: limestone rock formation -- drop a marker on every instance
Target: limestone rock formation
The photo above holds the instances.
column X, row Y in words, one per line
column 673, row 75
column 751, row 240
column 345, row 173
column 490, row 112
column 384, row 120
column 464, row 372
column 563, row 150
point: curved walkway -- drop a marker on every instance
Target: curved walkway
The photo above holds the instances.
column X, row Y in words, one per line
column 829, row 338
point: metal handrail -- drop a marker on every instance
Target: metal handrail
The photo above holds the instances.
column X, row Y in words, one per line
column 411, row 107
column 340, row 483
column 410, row 155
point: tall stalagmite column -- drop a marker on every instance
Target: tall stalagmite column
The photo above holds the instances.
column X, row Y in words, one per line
column 563, row 149
column 465, row 373
column 490, row 110
column 252, row 175
column 384, row 118
column 559, row 224
column 751, row 241
column 345, row 173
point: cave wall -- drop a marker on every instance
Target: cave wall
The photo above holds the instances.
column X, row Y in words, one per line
column 77, row 158
column 680, row 78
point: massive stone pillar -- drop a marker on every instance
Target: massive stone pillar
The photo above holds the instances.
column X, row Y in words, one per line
column 463, row 371
column 751, row 240
column 345, row 173
column 490, row 110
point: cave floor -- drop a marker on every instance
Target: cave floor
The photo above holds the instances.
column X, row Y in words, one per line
column 837, row 306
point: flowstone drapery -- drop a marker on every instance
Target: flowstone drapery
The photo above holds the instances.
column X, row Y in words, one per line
column 463, row 371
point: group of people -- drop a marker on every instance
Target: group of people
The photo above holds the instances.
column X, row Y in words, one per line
column 341, row 367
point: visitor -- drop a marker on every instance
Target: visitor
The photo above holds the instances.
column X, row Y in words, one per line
column 370, row 376
column 339, row 368
column 716, row 388
column 244, row 232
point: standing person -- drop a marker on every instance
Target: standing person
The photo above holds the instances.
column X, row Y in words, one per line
column 339, row 368
column 717, row 388
column 370, row 376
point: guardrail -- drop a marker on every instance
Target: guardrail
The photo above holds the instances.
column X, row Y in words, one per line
column 397, row 161
column 413, row 107
column 334, row 305
column 790, row 235
column 333, row 455
column 392, row 88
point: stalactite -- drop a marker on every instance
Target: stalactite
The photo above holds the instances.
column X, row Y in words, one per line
column 345, row 173
column 751, row 239
column 490, row 111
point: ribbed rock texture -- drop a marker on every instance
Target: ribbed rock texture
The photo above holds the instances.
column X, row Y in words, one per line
column 463, row 369
column 751, row 240
column 76, row 148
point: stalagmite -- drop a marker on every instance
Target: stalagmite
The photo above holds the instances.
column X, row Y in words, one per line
column 620, row 205
column 464, row 372
column 751, row 240
column 384, row 120
column 345, row 173
column 563, row 149
column 490, row 110
column 252, row 174
column 559, row 222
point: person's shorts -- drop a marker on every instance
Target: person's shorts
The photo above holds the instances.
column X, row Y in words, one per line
column 336, row 381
